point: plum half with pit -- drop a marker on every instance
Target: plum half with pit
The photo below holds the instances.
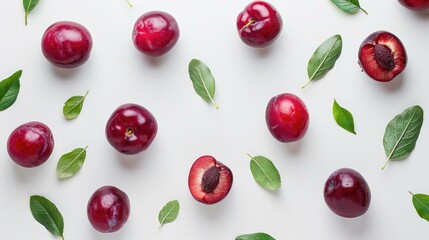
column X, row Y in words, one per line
column 382, row 56
column 209, row 180
column 259, row 24
column 108, row 209
column 30, row 144
column 131, row 129
column 347, row 193
column 155, row 33
column 287, row 117
column 67, row 44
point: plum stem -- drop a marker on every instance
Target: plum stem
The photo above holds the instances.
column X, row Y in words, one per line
column 251, row 21
column 129, row 3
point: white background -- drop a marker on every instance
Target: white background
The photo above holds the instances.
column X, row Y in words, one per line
column 246, row 79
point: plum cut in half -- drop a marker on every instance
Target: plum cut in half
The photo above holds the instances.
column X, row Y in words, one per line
column 382, row 56
column 209, row 180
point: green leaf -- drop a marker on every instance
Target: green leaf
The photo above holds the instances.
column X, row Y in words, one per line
column 343, row 117
column 324, row 58
column 421, row 204
column 9, row 89
column 73, row 106
column 265, row 173
column 402, row 133
column 203, row 81
column 349, row 6
column 169, row 212
column 70, row 163
column 47, row 214
column 255, row 236
column 29, row 5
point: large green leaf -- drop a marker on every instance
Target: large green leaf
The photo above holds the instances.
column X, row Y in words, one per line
column 324, row 58
column 9, row 89
column 401, row 133
column 349, row 6
column 47, row 214
column 202, row 80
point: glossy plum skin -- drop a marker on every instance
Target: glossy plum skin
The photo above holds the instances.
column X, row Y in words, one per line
column 259, row 24
column 108, row 209
column 131, row 129
column 287, row 117
column 30, row 144
column 67, row 44
column 155, row 33
column 382, row 56
column 416, row 5
column 347, row 193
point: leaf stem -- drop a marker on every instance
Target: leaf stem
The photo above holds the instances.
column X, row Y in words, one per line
column 251, row 157
column 62, row 237
column 129, row 3
column 25, row 18
column 363, row 10
column 411, row 193
column 385, row 164
column 305, row 85
column 214, row 104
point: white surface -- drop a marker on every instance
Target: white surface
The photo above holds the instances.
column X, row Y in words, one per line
column 188, row 127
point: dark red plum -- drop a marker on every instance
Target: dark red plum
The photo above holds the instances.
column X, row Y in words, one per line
column 347, row 193
column 287, row 117
column 415, row 5
column 67, row 44
column 131, row 129
column 30, row 144
column 259, row 24
column 155, row 33
column 108, row 209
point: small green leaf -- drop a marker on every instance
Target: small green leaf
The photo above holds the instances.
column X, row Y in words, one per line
column 47, row 214
column 402, row 133
column 255, row 236
column 421, row 204
column 169, row 212
column 70, row 163
column 73, row 106
column 29, row 5
column 343, row 117
column 349, row 6
column 202, row 80
column 324, row 58
column 9, row 89
column 265, row 173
